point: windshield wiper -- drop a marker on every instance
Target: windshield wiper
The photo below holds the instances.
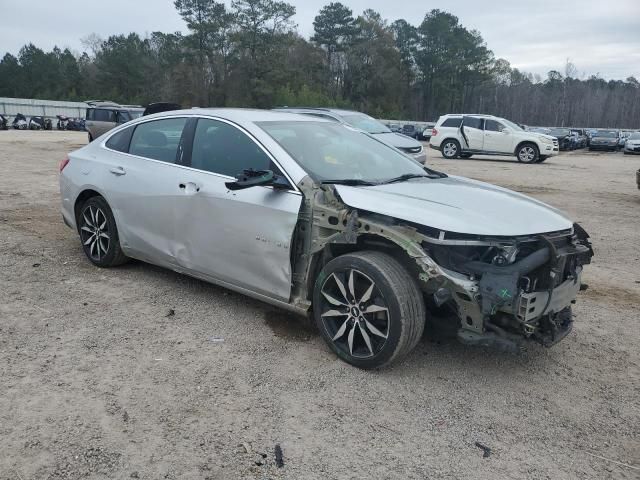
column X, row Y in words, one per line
column 352, row 182
column 405, row 177
column 408, row 176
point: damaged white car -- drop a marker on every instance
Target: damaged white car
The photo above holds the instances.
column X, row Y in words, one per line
column 325, row 220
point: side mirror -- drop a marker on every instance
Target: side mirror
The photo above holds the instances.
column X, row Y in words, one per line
column 255, row 178
column 506, row 130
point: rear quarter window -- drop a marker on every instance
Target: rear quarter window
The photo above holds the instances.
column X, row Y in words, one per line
column 121, row 140
column 454, row 122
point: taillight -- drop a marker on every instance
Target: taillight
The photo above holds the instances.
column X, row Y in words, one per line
column 64, row 163
column 434, row 132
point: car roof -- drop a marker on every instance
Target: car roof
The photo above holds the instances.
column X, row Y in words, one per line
column 242, row 115
column 478, row 115
column 335, row 111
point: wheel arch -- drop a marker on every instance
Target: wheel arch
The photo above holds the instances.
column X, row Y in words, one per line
column 85, row 194
column 365, row 242
column 523, row 143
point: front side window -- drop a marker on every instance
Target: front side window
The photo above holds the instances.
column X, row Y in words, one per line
column 330, row 151
column 123, row 116
column 104, row 115
column 222, row 148
column 158, row 139
column 493, row 126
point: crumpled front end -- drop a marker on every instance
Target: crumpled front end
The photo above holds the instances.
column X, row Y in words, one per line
column 506, row 291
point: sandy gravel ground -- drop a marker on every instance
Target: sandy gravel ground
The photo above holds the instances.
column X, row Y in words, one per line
column 138, row 372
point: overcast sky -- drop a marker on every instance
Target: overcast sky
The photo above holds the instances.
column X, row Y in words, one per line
column 598, row 36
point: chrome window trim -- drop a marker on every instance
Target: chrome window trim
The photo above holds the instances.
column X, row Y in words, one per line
column 295, row 188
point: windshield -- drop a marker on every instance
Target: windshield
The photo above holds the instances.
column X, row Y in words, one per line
column 135, row 113
column 559, row 131
column 634, row 136
column 512, row 125
column 330, row 151
column 365, row 123
column 606, row 134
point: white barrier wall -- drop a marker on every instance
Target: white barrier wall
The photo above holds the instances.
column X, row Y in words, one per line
column 30, row 107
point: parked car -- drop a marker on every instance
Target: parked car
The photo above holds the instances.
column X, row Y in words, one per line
column 563, row 135
column 103, row 116
column 632, row 145
column 580, row 137
column 367, row 124
column 465, row 135
column 4, row 122
column 604, row 140
column 622, row 139
column 324, row 220
column 410, row 130
column 20, row 122
column 395, row 127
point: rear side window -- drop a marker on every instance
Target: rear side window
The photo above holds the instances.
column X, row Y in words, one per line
column 222, row 148
column 120, row 141
column 454, row 122
column 473, row 122
column 104, row 115
column 158, row 139
column 90, row 113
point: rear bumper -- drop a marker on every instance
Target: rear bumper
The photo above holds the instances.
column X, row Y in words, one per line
column 603, row 147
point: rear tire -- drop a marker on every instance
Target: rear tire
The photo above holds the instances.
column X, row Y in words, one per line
column 368, row 308
column 528, row 153
column 90, row 138
column 99, row 234
column 450, row 149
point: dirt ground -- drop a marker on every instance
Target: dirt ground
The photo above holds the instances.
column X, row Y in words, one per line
column 138, row 372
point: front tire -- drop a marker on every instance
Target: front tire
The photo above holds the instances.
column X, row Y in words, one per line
column 528, row 153
column 450, row 149
column 466, row 155
column 99, row 234
column 368, row 309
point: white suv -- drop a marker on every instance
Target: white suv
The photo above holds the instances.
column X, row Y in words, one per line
column 464, row 135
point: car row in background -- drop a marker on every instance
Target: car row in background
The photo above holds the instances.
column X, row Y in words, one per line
column 594, row 139
column 20, row 122
column 418, row 130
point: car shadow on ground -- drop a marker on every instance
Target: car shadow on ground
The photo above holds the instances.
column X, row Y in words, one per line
column 435, row 347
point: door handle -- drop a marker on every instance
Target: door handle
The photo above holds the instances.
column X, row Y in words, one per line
column 118, row 171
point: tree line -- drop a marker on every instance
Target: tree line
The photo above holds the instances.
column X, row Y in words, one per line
column 251, row 55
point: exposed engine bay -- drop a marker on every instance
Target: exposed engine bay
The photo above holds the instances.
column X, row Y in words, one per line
column 500, row 291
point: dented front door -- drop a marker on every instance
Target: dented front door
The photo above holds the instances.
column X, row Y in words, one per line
column 241, row 237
